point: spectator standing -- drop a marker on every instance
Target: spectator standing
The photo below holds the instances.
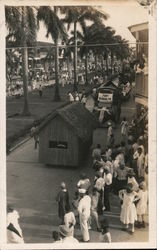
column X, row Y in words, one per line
column 121, row 176
column 84, row 99
column 124, row 129
column 35, row 134
column 71, row 98
column 142, row 205
column 128, row 210
column 96, row 151
column 109, row 133
column 140, row 163
column 40, row 91
column 107, row 188
column 94, row 207
column 63, row 201
column 99, row 186
column 84, row 214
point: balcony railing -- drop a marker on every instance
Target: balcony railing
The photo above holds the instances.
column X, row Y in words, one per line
column 142, row 85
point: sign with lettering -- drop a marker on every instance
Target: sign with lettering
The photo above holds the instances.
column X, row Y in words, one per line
column 105, row 97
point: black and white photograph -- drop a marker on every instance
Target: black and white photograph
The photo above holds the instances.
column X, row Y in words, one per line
column 80, row 166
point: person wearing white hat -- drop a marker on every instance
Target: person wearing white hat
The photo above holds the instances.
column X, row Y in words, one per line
column 84, row 213
column 66, row 235
column 14, row 231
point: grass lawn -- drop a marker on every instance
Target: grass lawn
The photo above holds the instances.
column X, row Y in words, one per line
column 18, row 126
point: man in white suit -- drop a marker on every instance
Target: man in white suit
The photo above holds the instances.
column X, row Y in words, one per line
column 84, row 213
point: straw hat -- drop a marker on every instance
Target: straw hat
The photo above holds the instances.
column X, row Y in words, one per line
column 65, row 231
column 63, row 185
column 82, row 190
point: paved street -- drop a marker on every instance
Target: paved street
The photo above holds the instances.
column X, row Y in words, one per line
column 32, row 187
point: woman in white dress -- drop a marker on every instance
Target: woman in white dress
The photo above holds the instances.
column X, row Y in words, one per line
column 128, row 210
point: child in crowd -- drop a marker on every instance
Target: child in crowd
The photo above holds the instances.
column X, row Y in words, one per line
column 69, row 220
column 142, row 204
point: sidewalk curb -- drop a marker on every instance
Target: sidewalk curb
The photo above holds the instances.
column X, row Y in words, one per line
column 19, row 144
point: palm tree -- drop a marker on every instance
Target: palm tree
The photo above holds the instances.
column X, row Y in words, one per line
column 56, row 29
column 92, row 36
column 21, row 24
column 79, row 15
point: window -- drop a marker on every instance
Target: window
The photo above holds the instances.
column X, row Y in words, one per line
column 58, row 144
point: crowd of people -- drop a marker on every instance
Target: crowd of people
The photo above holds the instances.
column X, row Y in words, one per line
column 122, row 169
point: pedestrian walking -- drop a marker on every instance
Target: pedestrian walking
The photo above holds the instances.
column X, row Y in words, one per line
column 105, row 231
column 96, row 151
column 94, row 208
column 63, row 201
column 14, row 231
column 84, row 214
column 69, row 220
column 107, row 187
column 35, row 134
column 40, row 91
column 71, row 98
column 66, row 235
column 128, row 214
column 84, row 99
column 99, row 186
column 142, row 205
column 124, row 129
column 111, row 141
column 140, row 163
column 109, row 133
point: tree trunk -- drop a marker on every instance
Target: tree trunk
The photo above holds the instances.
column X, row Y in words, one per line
column 75, row 56
column 56, row 95
column 86, row 66
column 26, row 111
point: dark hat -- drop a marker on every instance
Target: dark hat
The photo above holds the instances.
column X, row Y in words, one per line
column 10, row 208
column 83, row 176
column 65, row 231
column 129, row 187
column 98, row 174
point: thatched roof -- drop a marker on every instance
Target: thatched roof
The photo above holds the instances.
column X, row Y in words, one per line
column 78, row 117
